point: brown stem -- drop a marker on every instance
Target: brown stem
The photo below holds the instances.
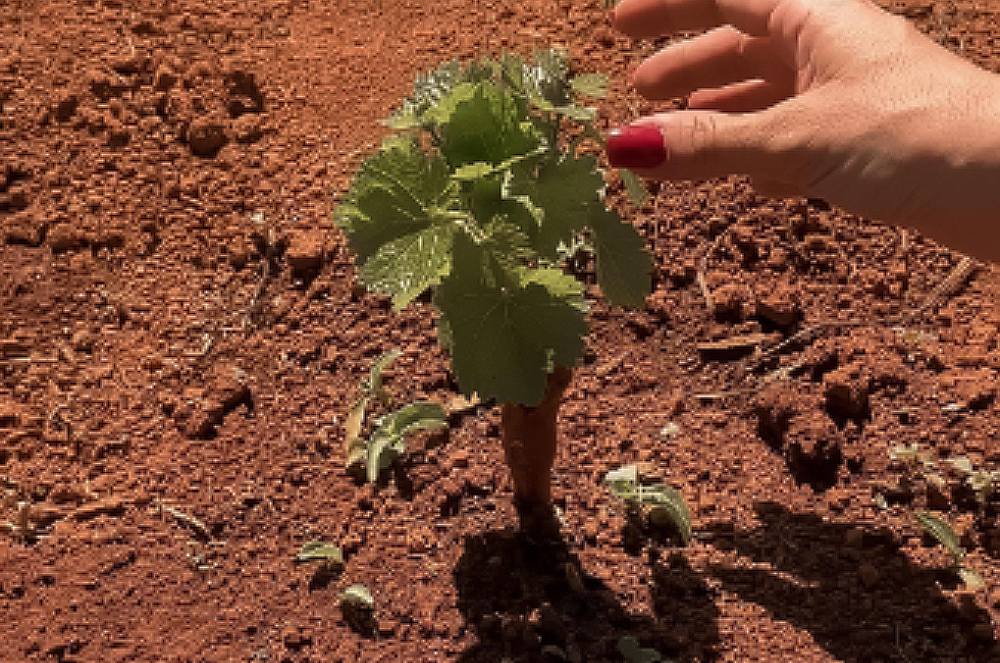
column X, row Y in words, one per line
column 529, row 444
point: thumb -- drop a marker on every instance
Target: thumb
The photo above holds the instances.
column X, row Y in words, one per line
column 700, row 144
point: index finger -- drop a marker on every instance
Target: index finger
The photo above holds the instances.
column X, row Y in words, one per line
column 654, row 18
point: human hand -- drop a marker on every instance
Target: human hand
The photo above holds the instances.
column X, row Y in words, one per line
column 833, row 99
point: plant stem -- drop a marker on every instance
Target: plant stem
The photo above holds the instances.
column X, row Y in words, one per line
column 529, row 442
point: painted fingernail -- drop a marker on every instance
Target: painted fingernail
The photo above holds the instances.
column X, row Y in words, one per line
column 636, row 146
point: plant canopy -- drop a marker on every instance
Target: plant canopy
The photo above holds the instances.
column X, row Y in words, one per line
column 478, row 195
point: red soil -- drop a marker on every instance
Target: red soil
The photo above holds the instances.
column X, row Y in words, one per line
column 181, row 330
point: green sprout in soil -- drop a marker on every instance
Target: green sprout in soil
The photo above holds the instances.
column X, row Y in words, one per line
column 942, row 532
column 388, row 439
column 475, row 197
column 660, row 505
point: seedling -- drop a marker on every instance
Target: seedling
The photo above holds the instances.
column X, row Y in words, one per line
column 942, row 532
column 388, row 441
column 664, row 506
column 358, row 608
column 475, row 196
column 328, row 558
column 983, row 483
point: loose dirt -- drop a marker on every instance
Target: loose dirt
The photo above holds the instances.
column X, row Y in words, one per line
column 182, row 337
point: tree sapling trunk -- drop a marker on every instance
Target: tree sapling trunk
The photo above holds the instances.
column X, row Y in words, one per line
column 529, row 443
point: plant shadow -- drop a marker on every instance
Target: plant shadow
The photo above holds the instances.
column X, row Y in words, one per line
column 531, row 602
column 859, row 597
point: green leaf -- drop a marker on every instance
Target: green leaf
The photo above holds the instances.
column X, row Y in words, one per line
column 508, row 244
column 548, row 77
column 972, row 580
column 666, row 504
column 637, row 192
column 590, row 85
column 629, row 648
column 373, row 386
column 320, row 551
column 440, row 113
column 942, row 533
column 354, row 446
column 488, row 128
column 428, row 90
column 398, row 191
column 578, row 113
column 358, row 608
column 668, row 509
column 564, row 191
column 357, row 596
column 406, row 267
column 400, row 218
column 624, row 266
column 505, row 334
column 388, row 440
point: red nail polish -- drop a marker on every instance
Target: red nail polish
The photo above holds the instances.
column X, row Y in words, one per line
column 636, row 146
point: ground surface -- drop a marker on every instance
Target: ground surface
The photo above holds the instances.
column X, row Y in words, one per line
column 167, row 173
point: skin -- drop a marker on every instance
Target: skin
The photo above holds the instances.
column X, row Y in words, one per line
column 832, row 99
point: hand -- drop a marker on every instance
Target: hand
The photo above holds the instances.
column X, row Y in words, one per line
column 833, row 99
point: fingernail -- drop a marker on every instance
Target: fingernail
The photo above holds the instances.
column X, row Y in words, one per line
column 636, row 146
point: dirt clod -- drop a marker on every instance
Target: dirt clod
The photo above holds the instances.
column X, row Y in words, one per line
column 206, row 136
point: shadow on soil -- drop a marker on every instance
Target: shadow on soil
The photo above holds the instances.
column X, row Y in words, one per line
column 852, row 589
column 531, row 602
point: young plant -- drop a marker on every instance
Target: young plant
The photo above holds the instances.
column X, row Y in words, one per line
column 661, row 505
column 942, row 532
column 476, row 197
column 388, row 440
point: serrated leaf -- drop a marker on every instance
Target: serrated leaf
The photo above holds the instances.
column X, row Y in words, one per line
column 398, row 191
column 629, row 648
column 590, row 85
column 564, row 192
column 624, row 266
column 547, row 77
column 406, row 267
column 505, row 335
column 428, row 90
column 388, row 440
column 942, row 533
column 507, row 242
column 489, row 127
column 441, row 112
column 637, row 192
column 320, row 551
